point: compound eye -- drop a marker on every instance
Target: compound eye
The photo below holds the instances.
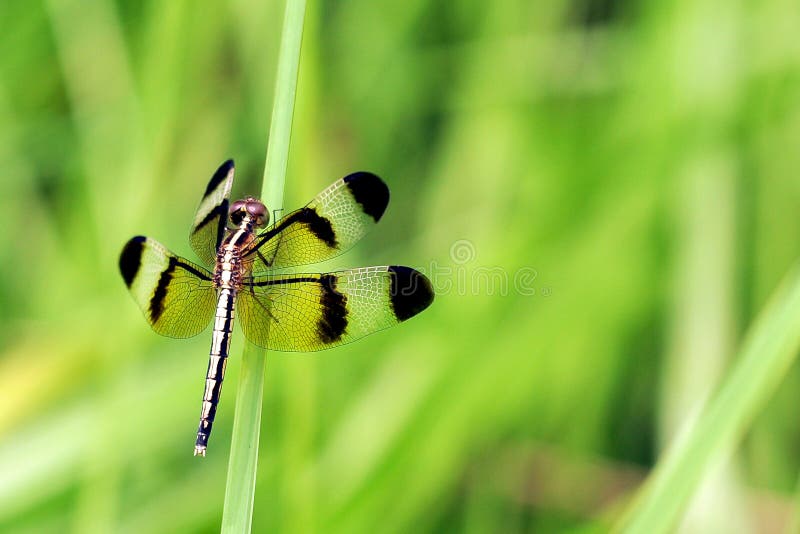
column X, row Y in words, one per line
column 236, row 206
column 258, row 212
column 256, row 209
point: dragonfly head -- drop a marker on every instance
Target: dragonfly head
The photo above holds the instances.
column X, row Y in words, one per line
column 249, row 207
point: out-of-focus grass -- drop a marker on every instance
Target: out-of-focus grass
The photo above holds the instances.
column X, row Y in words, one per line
column 707, row 440
column 575, row 143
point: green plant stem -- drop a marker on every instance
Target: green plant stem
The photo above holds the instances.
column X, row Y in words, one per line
column 237, row 513
column 768, row 350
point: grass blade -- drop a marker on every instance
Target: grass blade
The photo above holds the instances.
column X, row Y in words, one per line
column 768, row 350
column 237, row 513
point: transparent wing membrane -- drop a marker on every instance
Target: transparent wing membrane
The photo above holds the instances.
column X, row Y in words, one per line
column 175, row 295
column 310, row 312
column 211, row 218
column 329, row 225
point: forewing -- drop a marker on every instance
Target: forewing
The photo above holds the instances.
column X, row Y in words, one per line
column 175, row 295
column 330, row 224
column 309, row 312
column 211, row 218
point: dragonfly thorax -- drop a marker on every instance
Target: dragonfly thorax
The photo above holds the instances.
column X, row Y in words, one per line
column 230, row 267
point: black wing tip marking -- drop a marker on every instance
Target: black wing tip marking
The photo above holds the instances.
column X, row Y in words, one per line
column 218, row 177
column 369, row 191
column 411, row 292
column 333, row 322
column 131, row 259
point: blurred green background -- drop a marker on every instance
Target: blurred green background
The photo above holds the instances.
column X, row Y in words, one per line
column 605, row 193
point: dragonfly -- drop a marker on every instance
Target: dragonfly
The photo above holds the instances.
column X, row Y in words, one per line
column 240, row 252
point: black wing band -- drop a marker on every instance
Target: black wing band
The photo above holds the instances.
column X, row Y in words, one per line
column 176, row 296
column 211, row 218
column 329, row 225
column 309, row 312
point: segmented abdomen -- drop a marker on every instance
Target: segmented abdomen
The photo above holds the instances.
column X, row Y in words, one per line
column 218, row 357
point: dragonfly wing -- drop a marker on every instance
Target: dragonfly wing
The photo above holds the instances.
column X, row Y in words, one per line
column 310, row 312
column 176, row 296
column 329, row 225
column 211, row 218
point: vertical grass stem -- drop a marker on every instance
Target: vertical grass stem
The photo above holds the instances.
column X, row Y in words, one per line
column 240, row 487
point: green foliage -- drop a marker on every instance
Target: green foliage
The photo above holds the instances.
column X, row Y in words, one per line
column 627, row 169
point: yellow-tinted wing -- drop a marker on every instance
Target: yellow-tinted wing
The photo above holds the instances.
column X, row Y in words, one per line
column 326, row 227
column 309, row 312
column 211, row 218
column 175, row 295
